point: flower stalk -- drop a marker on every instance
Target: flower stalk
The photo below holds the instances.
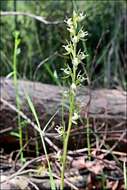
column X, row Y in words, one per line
column 76, row 78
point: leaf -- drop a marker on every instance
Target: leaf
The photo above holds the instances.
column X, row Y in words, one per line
column 96, row 166
column 15, row 134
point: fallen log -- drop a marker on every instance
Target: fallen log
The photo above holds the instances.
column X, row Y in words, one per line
column 107, row 105
column 104, row 103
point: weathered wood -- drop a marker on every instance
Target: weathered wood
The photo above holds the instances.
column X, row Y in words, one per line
column 105, row 103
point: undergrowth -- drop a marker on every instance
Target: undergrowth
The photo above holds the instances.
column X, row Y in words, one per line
column 75, row 77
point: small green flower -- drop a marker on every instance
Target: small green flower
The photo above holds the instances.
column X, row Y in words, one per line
column 67, row 48
column 71, row 30
column 69, row 22
column 82, row 34
column 65, row 93
column 78, row 17
column 80, row 79
column 73, row 88
column 81, row 55
column 60, row 130
column 75, row 61
column 75, row 39
column 81, row 17
column 75, row 117
column 67, row 70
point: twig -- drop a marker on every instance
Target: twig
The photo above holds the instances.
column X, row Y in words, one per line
column 116, row 143
column 93, row 149
column 44, row 61
column 39, row 18
column 21, row 169
column 52, row 144
column 20, row 152
column 6, row 130
column 67, row 182
column 34, row 185
column 29, row 121
column 20, row 113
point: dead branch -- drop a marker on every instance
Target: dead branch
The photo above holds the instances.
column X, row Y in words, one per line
column 39, row 18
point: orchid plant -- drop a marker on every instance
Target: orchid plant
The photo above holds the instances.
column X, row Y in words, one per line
column 77, row 56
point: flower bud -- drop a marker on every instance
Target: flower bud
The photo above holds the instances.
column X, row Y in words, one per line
column 75, row 117
column 81, row 17
column 69, row 22
column 75, row 39
column 75, row 61
column 82, row 34
column 73, row 88
column 68, row 48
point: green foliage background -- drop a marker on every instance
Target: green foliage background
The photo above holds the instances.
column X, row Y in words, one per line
column 41, row 44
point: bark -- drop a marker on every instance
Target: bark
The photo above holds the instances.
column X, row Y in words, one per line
column 101, row 106
column 100, row 103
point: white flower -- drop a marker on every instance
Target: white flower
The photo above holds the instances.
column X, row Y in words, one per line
column 68, row 48
column 81, row 17
column 86, row 33
column 75, row 117
column 59, row 130
column 82, row 56
column 70, row 25
column 73, row 88
column 69, row 22
column 66, row 71
column 80, row 78
column 58, row 155
column 65, row 94
column 71, row 29
column 75, row 61
column 75, row 39
column 74, row 14
column 82, row 34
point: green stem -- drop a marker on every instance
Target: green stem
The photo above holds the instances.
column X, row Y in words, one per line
column 72, row 94
column 17, row 97
column 71, row 110
column 66, row 140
